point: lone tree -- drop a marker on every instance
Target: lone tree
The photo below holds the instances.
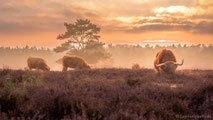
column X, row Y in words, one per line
column 83, row 40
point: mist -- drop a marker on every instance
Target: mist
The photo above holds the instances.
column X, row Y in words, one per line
column 122, row 56
column 16, row 58
column 195, row 57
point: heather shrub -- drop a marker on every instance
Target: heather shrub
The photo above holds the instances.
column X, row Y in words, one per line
column 14, row 88
column 135, row 66
column 17, row 84
column 105, row 94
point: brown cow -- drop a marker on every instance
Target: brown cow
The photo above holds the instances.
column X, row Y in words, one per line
column 165, row 62
column 74, row 62
column 37, row 63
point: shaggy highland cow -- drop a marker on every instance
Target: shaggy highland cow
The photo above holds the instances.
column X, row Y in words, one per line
column 165, row 62
column 37, row 63
column 74, row 62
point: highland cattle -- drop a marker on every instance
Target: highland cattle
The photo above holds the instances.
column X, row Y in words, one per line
column 165, row 62
column 74, row 62
column 37, row 63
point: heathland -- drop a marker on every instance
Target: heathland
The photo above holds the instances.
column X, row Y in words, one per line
column 106, row 94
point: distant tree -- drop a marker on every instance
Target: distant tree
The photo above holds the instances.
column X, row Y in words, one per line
column 92, row 52
column 179, row 46
column 173, row 46
column 138, row 46
column 26, row 47
column 110, row 45
column 157, row 46
column 199, row 45
column 83, row 40
column 147, row 46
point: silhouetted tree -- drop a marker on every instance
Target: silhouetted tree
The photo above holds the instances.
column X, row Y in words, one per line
column 83, row 40
column 92, row 52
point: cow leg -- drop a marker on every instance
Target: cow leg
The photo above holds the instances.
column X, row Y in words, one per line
column 64, row 68
column 30, row 68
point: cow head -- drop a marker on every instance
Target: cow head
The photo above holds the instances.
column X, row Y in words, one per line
column 87, row 67
column 47, row 68
column 169, row 66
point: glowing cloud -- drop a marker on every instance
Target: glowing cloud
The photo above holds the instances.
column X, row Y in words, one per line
column 120, row 20
column 178, row 9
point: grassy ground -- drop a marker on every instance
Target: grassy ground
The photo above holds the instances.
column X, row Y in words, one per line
column 106, row 94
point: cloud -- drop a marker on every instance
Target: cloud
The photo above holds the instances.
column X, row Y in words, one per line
column 158, row 25
column 205, row 3
column 203, row 16
column 204, row 28
column 7, row 8
column 145, row 24
column 179, row 9
column 33, row 23
column 77, row 12
column 161, row 27
column 121, row 15
column 13, row 28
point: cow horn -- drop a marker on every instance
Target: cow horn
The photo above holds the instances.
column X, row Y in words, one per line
column 159, row 65
column 179, row 63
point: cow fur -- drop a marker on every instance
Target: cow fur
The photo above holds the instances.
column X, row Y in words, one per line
column 167, row 57
column 37, row 63
column 74, row 62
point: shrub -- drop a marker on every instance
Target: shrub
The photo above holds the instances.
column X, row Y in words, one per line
column 103, row 94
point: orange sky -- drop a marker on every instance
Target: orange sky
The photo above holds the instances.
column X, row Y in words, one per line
column 39, row 22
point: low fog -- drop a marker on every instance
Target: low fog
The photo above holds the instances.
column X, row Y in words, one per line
column 123, row 56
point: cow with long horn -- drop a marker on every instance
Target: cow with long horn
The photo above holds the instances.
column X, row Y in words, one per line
column 165, row 62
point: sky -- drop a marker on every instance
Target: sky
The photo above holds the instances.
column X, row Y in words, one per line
column 39, row 22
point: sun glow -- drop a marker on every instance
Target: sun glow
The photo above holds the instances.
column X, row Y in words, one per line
column 133, row 19
column 177, row 9
column 161, row 40
column 125, row 19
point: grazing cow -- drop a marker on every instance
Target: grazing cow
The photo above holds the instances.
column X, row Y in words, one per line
column 37, row 63
column 136, row 67
column 165, row 62
column 74, row 62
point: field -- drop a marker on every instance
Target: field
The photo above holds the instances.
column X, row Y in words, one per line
column 106, row 94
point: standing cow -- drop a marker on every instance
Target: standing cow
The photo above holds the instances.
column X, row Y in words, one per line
column 165, row 62
column 74, row 62
column 37, row 63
